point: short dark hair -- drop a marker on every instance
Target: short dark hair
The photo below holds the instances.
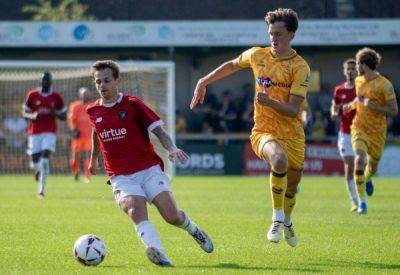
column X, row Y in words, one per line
column 104, row 64
column 288, row 16
column 349, row 61
column 368, row 57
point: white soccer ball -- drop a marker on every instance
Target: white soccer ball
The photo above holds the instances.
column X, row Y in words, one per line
column 89, row 250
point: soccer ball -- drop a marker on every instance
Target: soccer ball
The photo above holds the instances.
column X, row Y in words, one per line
column 89, row 250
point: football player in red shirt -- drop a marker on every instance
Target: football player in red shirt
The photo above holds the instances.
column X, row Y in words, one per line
column 343, row 94
column 121, row 126
column 42, row 106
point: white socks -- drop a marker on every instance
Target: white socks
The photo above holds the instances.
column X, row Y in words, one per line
column 278, row 215
column 188, row 225
column 351, row 188
column 44, row 168
column 149, row 236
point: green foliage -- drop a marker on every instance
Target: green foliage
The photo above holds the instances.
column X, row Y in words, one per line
column 37, row 236
column 66, row 10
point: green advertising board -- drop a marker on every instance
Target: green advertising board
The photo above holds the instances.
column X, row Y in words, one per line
column 212, row 159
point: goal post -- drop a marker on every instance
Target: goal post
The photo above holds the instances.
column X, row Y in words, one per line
column 151, row 81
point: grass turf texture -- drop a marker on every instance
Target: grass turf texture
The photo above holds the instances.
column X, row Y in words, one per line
column 37, row 236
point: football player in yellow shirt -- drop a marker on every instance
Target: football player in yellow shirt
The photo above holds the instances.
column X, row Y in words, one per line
column 375, row 99
column 281, row 82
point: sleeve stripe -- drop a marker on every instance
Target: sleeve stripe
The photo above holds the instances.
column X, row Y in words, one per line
column 155, row 124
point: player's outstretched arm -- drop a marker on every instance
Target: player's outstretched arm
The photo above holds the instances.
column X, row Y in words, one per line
column 94, row 154
column 166, row 141
column 290, row 109
column 222, row 71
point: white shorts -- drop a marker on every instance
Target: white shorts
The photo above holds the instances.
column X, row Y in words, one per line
column 147, row 183
column 41, row 142
column 344, row 145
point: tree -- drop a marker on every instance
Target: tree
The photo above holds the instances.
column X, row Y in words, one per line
column 66, row 10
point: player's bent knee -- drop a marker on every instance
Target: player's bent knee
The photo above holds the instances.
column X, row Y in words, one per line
column 360, row 160
column 279, row 163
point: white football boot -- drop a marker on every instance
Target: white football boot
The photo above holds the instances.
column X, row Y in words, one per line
column 158, row 257
column 203, row 240
column 290, row 236
column 275, row 232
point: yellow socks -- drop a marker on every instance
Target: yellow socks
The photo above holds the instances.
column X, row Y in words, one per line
column 278, row 184
column 290, row 202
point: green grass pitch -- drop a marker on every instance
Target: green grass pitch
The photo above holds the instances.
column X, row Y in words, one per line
column 37, row 236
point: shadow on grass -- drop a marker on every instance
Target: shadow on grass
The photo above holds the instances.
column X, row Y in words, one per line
column 357, row 264
column 259, row 268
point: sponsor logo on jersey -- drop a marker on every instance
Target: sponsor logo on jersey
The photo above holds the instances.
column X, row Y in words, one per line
column 267, row 82
column 113, row 134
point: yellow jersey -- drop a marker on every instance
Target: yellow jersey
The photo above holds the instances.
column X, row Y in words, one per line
column 280, row 77
column 379, row 90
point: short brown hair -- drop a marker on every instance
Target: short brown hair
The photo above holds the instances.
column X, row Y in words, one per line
column 349, row 61
column 368, row 57
column 104, row 64
column 288, row 16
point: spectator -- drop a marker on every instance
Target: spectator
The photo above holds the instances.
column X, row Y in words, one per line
column 247, row 121
column 208, row 111
column 228, row 113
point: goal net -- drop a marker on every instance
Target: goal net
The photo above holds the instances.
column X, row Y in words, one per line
column 152, row 82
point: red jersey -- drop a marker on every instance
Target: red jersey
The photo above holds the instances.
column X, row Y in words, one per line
column 36, row 101
column 341, row 96
column 122, row 130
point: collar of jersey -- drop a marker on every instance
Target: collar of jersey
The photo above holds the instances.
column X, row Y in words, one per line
column 364, row 79
column 44, row 94
column 109, row 105
column 283, row 58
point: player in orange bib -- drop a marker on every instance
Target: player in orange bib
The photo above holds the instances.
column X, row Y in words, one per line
column 81, row 143
column 375, row 100
column 281, row 82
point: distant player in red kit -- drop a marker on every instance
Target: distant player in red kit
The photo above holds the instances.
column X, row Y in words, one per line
column 42, row 107
column 343, row 94
column 121, row 126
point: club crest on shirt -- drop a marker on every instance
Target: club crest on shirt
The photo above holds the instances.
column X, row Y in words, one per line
column 122, row 114
column 264, row 81
column 98, row 119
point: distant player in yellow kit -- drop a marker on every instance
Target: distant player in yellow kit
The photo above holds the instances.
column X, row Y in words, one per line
column 375, row 99
column 282, row 79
